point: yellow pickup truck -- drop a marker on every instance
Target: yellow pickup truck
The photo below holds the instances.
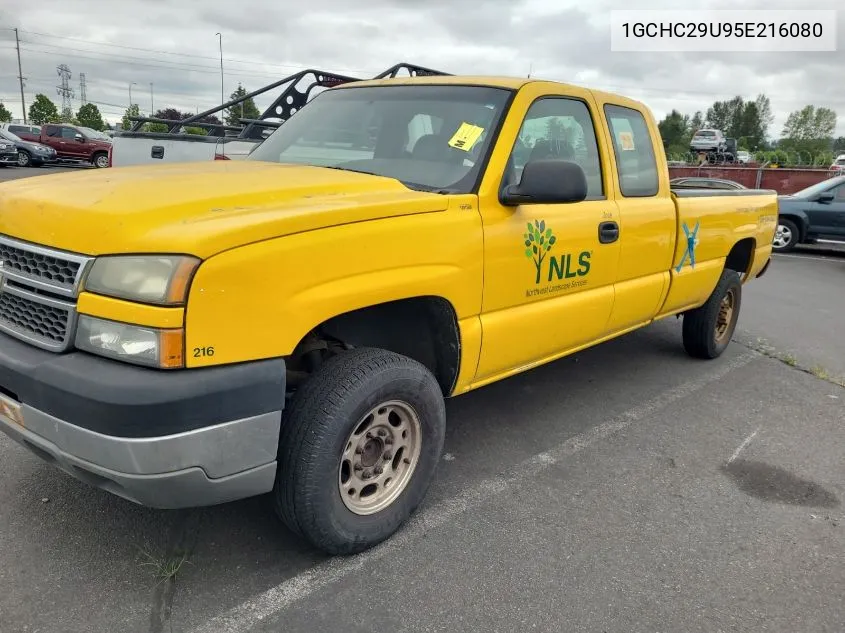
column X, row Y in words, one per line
column 195, row 333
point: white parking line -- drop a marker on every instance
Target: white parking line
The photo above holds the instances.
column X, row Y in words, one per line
column 821, row 259
column 242, row 618
column 744, row 444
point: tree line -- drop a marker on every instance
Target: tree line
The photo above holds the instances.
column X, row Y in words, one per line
column 43, row 110
column 807, row 136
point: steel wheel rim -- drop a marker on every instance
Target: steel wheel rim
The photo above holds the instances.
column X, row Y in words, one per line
column 783, row 235
column 379, row 457
column 102, row 161
column 22, row 159
column 724, row 319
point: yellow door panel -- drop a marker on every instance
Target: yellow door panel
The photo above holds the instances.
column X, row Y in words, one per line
column 518, row 338
column 548, row 279
column 637, row 300
column 648, row 216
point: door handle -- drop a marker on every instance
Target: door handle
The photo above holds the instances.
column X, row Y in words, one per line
column 608, row 232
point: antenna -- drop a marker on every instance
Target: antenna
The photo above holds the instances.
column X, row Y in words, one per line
column 65, row 91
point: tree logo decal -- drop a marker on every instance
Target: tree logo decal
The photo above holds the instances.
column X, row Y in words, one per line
column 538, row 242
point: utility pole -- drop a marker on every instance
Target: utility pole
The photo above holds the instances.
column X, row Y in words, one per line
column 220, row 36
column 152, row 101
column 20, row 75
column 130, row 92
column 65, row 91
column 83, row 98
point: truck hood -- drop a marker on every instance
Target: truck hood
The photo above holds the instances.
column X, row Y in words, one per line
column 196, row 208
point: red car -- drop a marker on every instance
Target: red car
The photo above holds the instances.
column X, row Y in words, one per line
column 72, row 143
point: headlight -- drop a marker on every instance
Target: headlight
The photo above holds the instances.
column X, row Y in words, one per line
column 157, row 279
column 131, row 343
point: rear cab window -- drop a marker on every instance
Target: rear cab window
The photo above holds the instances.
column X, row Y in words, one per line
column 633, row 148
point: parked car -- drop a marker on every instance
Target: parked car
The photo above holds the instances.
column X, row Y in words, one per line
column 698, row 182
column 838, row 165
column 72, row 143
column 26, row 132
column 8, row 153
column 336, row 297
column 817, row 212
column 743, row 156
column 29, row 152
column 708, row 140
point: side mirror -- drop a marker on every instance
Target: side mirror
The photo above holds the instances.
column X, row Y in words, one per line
column 79, row 137
column 825, row 196
column 547, row 181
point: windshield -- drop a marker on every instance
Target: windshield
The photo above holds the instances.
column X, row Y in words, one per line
column 816, row 188
column 705, row 134
column 91, row 133
column 9, row 136
column 433, row 138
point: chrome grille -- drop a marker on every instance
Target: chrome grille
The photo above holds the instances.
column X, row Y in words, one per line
column 42, row 267
column 38, row 291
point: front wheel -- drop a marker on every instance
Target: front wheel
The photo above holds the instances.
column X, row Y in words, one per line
column 708, row 329
column 359, row 446
column 101, row 160
column 24, row 159
column 786, row 236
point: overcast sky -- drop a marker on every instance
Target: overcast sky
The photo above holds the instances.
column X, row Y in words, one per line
column 173, row 45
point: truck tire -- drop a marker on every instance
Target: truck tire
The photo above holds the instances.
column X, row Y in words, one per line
column 707, row 330
column 100, row 160
column 786, row 236
column 359, row 446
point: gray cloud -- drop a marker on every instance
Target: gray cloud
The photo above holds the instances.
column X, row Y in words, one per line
column 173, row 45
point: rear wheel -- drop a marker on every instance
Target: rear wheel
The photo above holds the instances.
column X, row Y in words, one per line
column 359, row 447
column 708, row 329
column 786, row 236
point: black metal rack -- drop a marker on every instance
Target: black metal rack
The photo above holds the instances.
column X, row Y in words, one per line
column 297, row 91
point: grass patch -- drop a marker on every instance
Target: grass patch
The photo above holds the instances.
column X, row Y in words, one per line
column 820, row 372
column 163, row 568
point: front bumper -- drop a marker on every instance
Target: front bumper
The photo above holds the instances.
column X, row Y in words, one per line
column 8, row 158
column 164, row 439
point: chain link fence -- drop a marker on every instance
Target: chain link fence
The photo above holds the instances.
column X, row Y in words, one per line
column 773, row 158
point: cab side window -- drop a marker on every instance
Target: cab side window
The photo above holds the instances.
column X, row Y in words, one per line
column 68, row 132
column 634, row 151
column 53, row 131
column 559, row 128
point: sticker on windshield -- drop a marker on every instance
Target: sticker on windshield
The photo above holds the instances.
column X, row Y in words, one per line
column 626, row 141
column 466, row 136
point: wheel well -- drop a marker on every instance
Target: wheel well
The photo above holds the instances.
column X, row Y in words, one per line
column 799, row 222
column 739, row 259
column 422, row 328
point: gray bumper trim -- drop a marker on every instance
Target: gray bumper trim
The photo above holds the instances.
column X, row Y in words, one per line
column 202, row 467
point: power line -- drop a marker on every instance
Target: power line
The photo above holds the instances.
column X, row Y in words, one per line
column 175, row 54
column 131, row 61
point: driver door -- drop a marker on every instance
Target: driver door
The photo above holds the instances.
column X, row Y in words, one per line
column 549, row 269
column 828, row 218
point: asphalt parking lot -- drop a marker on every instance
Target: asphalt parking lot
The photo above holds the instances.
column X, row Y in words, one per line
column 627, row 488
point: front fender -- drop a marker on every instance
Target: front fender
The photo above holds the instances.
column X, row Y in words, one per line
column 259, row 300
column 799, row 216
